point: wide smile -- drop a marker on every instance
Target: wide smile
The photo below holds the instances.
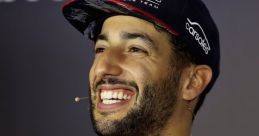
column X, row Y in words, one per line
column 114, row 97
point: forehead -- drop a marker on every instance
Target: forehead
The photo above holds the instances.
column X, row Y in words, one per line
column 115, row 25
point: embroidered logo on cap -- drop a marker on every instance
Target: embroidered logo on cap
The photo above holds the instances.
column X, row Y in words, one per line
column 199, row 37
column 151, row 3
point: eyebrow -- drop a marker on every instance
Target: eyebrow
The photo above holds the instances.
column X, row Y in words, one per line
column 137, row 35
column 102, row 37
column 129, row 36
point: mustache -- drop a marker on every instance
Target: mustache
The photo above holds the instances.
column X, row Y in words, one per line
column 113, row 81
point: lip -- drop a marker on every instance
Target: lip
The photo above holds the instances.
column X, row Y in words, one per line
column 129, row 90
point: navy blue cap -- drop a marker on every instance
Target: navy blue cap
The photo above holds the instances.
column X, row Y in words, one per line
column 189, row 19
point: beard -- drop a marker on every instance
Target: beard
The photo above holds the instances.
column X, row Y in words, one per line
column 156, row 106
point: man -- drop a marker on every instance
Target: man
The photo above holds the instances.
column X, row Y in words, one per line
column 155, row 60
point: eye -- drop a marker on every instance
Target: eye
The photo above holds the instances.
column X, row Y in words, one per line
column 137, row 50
column 99, row 50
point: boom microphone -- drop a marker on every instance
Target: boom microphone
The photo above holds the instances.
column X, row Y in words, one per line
column 78, row 99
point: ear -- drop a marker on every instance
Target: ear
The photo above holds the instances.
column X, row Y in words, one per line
column 198, row 77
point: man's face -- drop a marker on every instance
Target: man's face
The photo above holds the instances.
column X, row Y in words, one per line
column 133, row 82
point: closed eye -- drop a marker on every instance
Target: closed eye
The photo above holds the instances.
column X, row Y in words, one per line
column 137, row 50
column 99, row 50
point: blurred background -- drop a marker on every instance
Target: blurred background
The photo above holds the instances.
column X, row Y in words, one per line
column 44, row 64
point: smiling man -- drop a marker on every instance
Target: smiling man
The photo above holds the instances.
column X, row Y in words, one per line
column 155, row 61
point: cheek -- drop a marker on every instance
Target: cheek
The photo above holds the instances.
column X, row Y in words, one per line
column 141, row 73
column 148, row 71
column 92, row 79
column 92, row 76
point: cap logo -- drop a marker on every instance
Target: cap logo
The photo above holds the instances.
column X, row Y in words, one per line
column 199, row 37
column 151, row 3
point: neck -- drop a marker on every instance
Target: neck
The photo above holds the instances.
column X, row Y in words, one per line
column 179, row 124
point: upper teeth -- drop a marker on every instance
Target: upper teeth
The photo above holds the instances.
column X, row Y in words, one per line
column 114, row 95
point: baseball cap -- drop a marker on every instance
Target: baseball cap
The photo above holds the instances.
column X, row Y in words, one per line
column 188, row 19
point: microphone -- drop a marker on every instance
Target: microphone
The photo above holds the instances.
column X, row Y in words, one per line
column 78, row 99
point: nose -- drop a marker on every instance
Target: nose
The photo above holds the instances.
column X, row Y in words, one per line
column 109, row 64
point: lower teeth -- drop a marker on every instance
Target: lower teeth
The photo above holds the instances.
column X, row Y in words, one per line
column 110, row 101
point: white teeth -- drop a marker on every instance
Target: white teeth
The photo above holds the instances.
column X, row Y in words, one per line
column 120, row 95
column 105, row 101
column 125, row 96
column 115, row 95
column 108, row 95
column 102, row 95
column 105, row 94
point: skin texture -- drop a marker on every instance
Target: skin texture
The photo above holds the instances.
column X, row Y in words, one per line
column 131, row 54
